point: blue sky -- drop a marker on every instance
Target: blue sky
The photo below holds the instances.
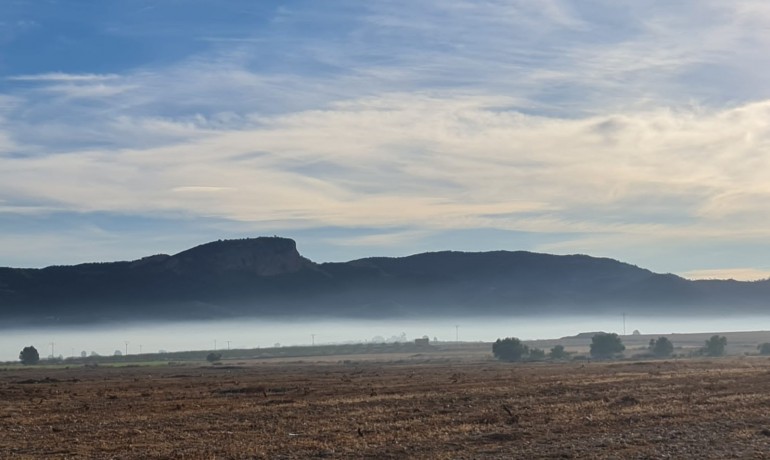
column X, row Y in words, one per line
column 637, row 131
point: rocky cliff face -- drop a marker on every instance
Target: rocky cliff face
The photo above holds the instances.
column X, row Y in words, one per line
column 266, row 256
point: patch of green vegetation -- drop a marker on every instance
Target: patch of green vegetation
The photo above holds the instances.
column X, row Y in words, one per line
column 163, row 359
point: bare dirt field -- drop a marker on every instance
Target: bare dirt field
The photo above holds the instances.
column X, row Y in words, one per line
column 456, row 404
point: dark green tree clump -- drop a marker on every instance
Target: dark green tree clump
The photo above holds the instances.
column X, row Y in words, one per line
column 715, row 346
column 29, row 355
column 510, row 349
column 662, row 347
column 213, row 357
column 764, row 348
column 604, row 345
column 557, row 352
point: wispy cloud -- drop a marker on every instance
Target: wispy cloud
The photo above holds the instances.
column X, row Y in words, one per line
column 457, row 163
column 94, row 91
column 395, row 238
column 64, row 77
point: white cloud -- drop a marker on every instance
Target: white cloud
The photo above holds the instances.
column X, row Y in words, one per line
column 60, row 77
column 739, row 274
column 98, row 90
column 200, row 189
column 6, row 144
column 441, row 163
column 384, row 239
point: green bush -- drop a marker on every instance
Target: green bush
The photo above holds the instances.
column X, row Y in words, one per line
column 764, row 348
column 557, row 352
column 510, row 349
column 604, row 345
column 715, row 346
column 29, row 355
column 662, row 347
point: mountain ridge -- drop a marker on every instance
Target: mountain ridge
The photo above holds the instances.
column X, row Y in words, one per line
column 268, row 277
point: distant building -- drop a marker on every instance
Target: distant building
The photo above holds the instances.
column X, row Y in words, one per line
column 423, row 342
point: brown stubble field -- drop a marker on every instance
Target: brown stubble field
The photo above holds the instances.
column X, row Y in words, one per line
column 415, row 407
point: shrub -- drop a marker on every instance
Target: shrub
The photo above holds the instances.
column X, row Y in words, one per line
column 715, row 346
column 509, row 349
column 557, row 352
column 764, row 349
column 604, row 345
column 213, row 357
column 662, row 347
column 29, row 355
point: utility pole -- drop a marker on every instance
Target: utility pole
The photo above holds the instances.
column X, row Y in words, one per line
column 52, row 354
column 228, row 345
column 140, row 348
column 624, row 323
column 126, row 342
column 312, row 340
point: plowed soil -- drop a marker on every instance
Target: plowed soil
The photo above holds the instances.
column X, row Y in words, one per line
column 415, row 408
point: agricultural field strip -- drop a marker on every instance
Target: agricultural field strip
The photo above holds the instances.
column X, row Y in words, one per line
column 489, row 409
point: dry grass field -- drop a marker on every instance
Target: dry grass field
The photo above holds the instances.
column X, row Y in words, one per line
column 457, row 404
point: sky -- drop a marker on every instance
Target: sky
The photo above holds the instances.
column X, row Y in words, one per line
column 632, row 130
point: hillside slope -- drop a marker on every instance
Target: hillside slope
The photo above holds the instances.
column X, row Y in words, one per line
column 268, row 277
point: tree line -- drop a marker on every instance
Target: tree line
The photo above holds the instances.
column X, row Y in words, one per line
column 605, row 346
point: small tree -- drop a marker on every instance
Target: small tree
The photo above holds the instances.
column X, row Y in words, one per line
column 715, row 346
column 605, row 345
column 509, row 349
column 661, row 347
column 213, row 357
column 29, row 355
column 764, row 349
column 557, row 352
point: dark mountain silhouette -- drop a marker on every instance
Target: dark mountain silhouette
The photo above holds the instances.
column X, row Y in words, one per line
column 268, row 277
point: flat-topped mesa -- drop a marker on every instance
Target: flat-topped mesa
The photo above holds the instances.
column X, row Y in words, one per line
column 263, row 256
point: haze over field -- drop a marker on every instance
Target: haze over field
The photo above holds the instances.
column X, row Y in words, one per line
column 635, row 131
column 150, row 338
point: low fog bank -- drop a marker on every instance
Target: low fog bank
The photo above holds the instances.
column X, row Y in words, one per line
column 253, row 333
